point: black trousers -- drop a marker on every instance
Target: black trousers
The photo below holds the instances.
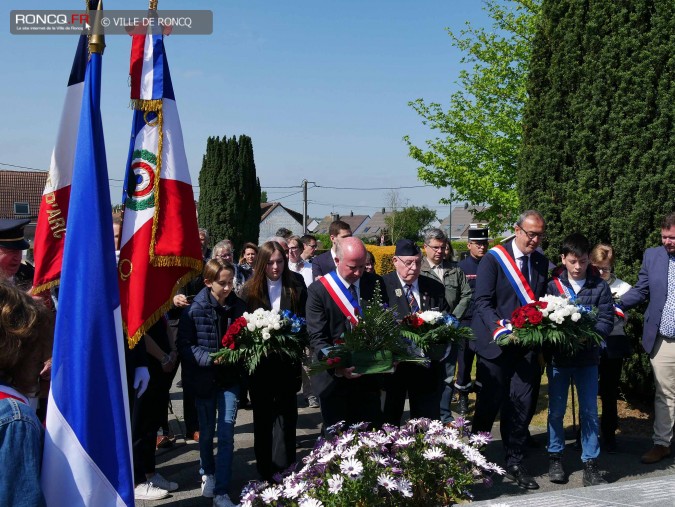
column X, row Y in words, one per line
column 275, row 418
column 148, row 413
column 509, row 387
column 423, row 386
column 608, row 388
column 464, row 364
column 352, row 401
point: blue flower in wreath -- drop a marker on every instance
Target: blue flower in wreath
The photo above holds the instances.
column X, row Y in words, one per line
column 451, row 320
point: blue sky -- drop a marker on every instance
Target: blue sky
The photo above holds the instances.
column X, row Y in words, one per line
column 321, row 87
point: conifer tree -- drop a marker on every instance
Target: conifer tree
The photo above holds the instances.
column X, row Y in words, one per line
column 229, row 201
column 598, row 151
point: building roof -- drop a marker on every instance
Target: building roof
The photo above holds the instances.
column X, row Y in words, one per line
column 267, row 207
column 22, row 187
column 375, row 226
column 461, row 221
column 354, row 221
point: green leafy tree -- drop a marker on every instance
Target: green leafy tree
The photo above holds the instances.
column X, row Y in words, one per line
column 229, row 202
column 409, row 222
column 263, row 196
column 479, row 135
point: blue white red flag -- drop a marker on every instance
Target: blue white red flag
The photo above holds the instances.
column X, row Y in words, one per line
column 87, row 456
column 50, row 230
column 160, row 249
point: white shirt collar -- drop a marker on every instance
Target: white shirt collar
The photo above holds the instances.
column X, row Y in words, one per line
column 517, row 254
column 274, row 292
column 357, row 283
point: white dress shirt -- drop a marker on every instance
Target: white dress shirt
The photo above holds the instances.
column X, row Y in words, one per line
column 274, row 292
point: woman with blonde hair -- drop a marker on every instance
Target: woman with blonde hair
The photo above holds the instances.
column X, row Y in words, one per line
column 618, row 347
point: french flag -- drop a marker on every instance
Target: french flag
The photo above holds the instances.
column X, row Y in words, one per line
column 159, row 249
column 51, row 223
column 87, row 454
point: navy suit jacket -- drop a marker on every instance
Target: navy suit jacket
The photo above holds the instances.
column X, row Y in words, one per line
column 495, row 298
column 325, row 323
column 323, row 264
column 652, row 286
column 432, row 295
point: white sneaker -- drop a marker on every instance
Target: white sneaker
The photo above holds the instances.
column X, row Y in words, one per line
column 163, row 483
column 208, row 483
column 223, row 501
column 148, row 491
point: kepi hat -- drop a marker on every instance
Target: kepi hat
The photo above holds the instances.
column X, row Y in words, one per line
column 11, row 233
column 479, row 234
column 406, row 248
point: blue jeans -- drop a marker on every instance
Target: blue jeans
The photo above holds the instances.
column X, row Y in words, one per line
column 586, row 381
column 226, row 402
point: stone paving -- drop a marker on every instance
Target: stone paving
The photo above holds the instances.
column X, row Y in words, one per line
column 631, row 482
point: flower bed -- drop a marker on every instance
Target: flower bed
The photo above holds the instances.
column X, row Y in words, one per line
column 424, row 463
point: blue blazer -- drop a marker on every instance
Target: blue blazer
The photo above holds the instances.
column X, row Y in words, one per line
column 495, row 298
column 323, row 264
column 652, row 286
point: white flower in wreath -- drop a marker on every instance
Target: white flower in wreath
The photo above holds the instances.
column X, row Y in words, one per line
column 398, row 293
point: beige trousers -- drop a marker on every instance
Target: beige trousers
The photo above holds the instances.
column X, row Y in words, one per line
column 663, row 364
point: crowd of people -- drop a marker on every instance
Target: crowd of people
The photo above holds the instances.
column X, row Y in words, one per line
column 482, row 291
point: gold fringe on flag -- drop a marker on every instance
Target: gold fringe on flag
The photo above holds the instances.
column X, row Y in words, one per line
column 157, row 314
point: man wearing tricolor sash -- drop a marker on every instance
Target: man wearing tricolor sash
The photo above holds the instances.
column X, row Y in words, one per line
column 510, row 276
column 333, row 303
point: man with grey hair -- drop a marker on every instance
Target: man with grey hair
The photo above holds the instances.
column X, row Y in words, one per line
column 457, row 295
column 509, row 276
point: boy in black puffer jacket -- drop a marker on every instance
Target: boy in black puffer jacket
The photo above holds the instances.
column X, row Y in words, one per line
column 216, row 387
column 579, row 281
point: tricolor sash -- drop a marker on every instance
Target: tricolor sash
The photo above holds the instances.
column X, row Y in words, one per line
column 564, row 290
column 341, row 297
column 8, row 392
column 515, row 277
column 618, row 311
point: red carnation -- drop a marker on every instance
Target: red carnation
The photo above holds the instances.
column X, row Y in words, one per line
column 235, row 328
column 541, row 304
column 518, row 321
column 536, row 318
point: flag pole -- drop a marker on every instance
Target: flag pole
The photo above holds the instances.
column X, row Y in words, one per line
column 97, row 40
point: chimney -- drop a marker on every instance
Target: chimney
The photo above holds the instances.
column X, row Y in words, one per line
column 383, row 211
column 335, row 217
column 351, row 213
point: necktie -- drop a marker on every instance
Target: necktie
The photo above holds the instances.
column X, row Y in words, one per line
column 525, row 270
column 352, row 290
column 412, row 302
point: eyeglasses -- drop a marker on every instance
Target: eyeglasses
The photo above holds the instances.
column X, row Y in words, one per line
column 483, row 244
column 294, row 248
column 435, row 248
column 603, row 270
column 534, row 235
column 313, row 247
column 410, row 264
column 224, row 255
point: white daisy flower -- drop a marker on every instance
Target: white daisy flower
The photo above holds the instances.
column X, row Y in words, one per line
column 405, row 487
column 352, row 467
column 434, row 453
column 310, row 502
column 335, row 484
column 387, row 482
column 271, row 494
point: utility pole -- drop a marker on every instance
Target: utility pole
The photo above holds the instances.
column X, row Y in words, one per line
column 304, row 206
column 450, row 219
